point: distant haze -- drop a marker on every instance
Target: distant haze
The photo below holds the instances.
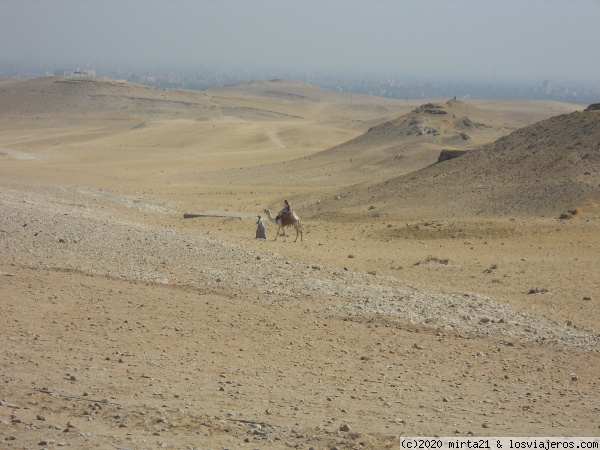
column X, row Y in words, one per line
column 483, row 39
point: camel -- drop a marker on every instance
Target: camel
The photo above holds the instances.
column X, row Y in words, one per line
column 286, row 220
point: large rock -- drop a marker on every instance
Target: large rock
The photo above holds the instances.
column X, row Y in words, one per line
column 445, row 155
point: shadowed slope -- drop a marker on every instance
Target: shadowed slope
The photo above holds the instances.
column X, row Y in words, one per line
column 99, row 98
column 81, row 98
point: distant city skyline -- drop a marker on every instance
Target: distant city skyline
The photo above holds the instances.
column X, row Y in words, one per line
column 383, row 85
column 491, row 41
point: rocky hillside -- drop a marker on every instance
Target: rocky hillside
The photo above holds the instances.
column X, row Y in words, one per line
column 415, row 140
column 453, row 121
column 547, row 168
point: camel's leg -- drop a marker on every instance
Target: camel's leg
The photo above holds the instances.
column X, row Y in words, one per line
column 277, row 234
column 298, row 228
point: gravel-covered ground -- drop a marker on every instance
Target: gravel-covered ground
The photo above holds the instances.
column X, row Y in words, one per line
column 44, row 230
column 122, row 334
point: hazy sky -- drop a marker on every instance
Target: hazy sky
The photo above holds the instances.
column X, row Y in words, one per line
column 500, row 39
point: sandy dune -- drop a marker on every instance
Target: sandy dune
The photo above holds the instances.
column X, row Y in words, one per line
column 459, row 298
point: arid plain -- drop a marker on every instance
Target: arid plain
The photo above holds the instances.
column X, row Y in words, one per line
column 454, row 298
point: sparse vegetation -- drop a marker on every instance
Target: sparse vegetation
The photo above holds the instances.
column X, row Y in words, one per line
column 537, row 291
column 432, row 259
column 491, row 269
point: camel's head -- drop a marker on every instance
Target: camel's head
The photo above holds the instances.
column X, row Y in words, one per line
column 267, row 211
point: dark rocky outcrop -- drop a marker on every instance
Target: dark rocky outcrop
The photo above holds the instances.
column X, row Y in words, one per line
column 445, row 155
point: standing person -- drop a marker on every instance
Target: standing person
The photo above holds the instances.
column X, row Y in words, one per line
column 260, row 228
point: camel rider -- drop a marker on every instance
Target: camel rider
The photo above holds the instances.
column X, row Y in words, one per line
column 286, row 210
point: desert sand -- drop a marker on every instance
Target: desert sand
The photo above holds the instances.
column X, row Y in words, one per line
column 459, row 298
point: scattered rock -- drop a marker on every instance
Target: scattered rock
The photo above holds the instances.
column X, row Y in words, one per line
column 537, row 291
